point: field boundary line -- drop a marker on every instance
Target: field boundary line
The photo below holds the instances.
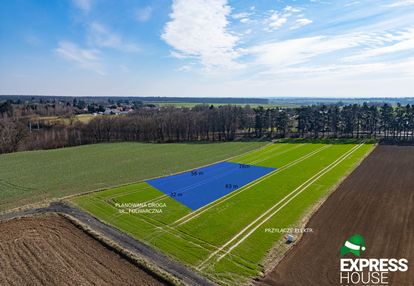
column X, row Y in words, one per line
column 163, row 196
column 272, row 260
column 146, row 179
column 198, row 212
column 298, row 160
column 181, row 235
column 282, row 206
column 187, row 188
column 299, row 189
column 220, row 173
column 171, row 231
column 178, row 234
column 202, row 265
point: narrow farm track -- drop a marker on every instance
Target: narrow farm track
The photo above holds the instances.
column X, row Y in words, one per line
column 376, row 201
column 126, row 242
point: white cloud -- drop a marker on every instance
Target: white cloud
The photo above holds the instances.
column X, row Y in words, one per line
column 240, row 15
column 352, row 3
column 84, row 58
column 401, row 3
column 198, row 29
column 243, row 17
column 278, row 19
column 392, row 49
column 389, row 44
column 84, row 5
column 143, row 14
column 291, row 9
column 311, row 57
column 346, row 47
column 376, row 70
column 303, row 22
column 102, row 37
column 295, row 51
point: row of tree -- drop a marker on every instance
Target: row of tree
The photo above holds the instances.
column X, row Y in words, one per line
column 385, row 121
column 210, row 123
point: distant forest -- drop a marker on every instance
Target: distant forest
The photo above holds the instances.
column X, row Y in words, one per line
column 22, row 124
column 143, row 99
column 279, row 101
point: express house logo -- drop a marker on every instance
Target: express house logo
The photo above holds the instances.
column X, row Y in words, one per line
column 365, row 271
column 355, row 244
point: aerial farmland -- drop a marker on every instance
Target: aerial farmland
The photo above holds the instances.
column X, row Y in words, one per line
column 198, row 214
column 227, row 231
column 207, row 143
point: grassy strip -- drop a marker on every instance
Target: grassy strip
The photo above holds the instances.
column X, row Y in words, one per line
column 140, row 262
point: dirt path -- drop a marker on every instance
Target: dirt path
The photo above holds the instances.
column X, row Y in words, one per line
column 178, row 270
column 376, row 201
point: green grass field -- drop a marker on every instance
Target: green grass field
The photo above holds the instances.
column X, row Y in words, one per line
column 227, row 240
column 30, row 177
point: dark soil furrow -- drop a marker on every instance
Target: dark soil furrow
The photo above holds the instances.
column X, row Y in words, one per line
column 50, row 250
column 375, row 201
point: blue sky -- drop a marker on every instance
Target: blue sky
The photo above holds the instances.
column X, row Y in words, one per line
column 213, row 48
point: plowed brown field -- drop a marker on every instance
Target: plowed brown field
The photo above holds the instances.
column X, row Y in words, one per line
column 50, row 250
column 376, row 201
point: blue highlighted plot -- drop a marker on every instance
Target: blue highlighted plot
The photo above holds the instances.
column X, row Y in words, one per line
column 200, row 187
